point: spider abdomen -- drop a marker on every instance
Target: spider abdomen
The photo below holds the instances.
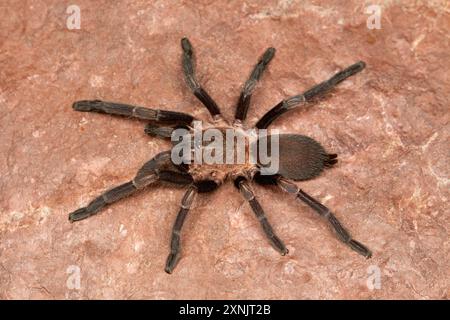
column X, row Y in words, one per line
column 300, row 157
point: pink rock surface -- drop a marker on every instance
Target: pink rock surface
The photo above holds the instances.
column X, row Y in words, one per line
column 389, row 125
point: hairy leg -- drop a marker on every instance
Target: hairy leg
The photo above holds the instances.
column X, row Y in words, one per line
column 154, row 129
column 307, row 96
column 342, row 233
column 174, row 254
column 157, row 169
column 244, row 188
column 191, row 80
column 132, row 111
column 108, row 197
column 250, row 84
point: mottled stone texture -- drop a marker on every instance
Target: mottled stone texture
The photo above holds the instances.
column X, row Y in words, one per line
column 389, row 125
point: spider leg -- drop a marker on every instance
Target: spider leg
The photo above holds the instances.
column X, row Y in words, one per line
column 186, row 203
column 242, row 184
column 110, row 196
column 157, row 169
column 309, row 95
column 191, row 80
column 132, row 111
column 154, row 129
column 342, row 233
column 250, row 84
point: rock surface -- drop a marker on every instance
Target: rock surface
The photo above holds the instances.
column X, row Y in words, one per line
column 389, row 125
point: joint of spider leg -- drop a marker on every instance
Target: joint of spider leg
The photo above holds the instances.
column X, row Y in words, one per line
column 248, row 89
column 237, row 123
column 294, row 101
column 105, row 198
column 219, row 120
column 252, row 172
column 327, row 214
column 158, row 131
column 144, row 181
column 288, row 185
column 189, row 197
column 245, row 190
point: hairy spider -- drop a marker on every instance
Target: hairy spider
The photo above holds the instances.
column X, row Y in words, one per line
column 300, row 157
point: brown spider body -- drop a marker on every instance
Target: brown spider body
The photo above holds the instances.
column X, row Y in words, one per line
column 222, row 171
column 299, row 157
column 219, row 173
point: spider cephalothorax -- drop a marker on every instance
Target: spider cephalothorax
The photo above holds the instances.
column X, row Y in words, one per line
column 298, row 157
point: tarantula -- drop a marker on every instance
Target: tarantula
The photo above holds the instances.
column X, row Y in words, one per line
column 300, row 157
